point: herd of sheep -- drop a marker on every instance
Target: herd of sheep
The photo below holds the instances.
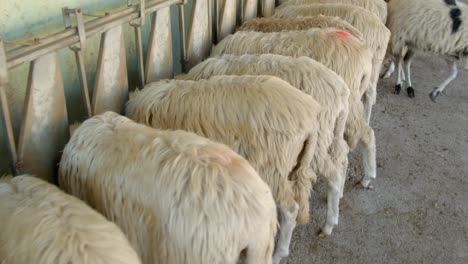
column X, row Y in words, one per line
column 217, row 165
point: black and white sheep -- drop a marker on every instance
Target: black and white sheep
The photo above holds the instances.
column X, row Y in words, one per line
column 431, row 26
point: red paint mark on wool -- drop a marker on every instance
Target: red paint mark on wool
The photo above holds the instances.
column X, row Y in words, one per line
column 343, row 34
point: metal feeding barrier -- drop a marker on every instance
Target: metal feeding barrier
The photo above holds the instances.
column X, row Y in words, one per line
column 44, row 129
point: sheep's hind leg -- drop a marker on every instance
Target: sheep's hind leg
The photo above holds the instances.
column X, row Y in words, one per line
column 333, row 210
column 369, row 158
column 389, row 69
column 399, row 82
column 407, row 60
column 287, row 225
column 439, row 89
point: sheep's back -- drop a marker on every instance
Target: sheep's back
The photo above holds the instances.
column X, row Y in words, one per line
column 336, row 49
column 379, row 8
column 179, row 198
column 273, row 24
column 41, row 224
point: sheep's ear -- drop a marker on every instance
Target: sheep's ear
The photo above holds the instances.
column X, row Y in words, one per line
column 132, row 95
column 73, row 127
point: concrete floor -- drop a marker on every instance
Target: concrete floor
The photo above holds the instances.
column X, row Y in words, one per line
column 418, row 211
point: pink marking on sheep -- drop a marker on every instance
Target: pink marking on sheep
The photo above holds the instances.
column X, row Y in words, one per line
column 344, row 34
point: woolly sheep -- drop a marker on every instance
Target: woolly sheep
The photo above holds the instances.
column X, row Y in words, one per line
column 374, row 31
column 41, row 224
column 326, row 87
column 263, row 118
column 377, row 7
column 178, row 197
column 432, row 26
column 338, row 51
column 272, row 24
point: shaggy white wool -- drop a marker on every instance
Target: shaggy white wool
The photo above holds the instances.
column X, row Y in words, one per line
column 41, row 224
column 273, row 24
column 376, row 35
column 178, row 197
column 377, row 7
column 325, row 86
column 338, row 51
column 263, row 118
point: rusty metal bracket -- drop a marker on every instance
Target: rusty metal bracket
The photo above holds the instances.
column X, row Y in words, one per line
column 79, row 24
column 141, row 11
column 77, row 49
column 22, row 43
column 138, row 39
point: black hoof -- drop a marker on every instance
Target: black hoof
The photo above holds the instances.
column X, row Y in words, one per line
column 398, row 88
column 410, row 91
column 434, row 95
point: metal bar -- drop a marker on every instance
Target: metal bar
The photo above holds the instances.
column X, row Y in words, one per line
column 111, row 86
column 78, row 54
column 141, row 10
column 139, row 49
column 69, row 37
column 22, row 43
column 131, row 10
column 83, row 81
column 183, row 42
column 159, row 63
column 44, row 129
column 5, row 113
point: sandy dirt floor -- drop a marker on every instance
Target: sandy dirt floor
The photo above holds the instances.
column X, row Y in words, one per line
column 418, row 210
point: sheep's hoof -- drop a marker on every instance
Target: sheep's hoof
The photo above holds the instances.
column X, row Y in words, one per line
column 410, row 92
column 434, row 95
column 322, row 234
column 364, row 186
column 398, row 88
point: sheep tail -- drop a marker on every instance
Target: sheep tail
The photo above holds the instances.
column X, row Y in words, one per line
column 302, row 177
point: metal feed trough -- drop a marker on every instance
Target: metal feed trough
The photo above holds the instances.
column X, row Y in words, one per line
column 45, row 129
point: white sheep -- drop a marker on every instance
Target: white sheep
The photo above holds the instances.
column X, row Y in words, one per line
column 178, row 197
column 41, row 224
column 263, row 118
column 338, row 51
column 273, row 24
column 432, row 26
column 375, row 33
column 325, row 86
column 377, row 7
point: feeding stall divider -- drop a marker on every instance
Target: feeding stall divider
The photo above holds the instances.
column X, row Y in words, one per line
column 44, row 129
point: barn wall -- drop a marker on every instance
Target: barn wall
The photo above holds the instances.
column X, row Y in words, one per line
column 23, row 20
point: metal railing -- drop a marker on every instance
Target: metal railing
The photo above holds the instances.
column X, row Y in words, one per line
column 44, row 127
